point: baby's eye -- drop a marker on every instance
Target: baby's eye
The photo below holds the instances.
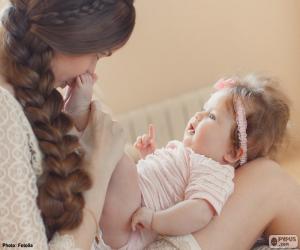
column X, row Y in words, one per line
column 212, row 116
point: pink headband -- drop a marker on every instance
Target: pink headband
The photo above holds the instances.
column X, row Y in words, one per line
column 240, row 117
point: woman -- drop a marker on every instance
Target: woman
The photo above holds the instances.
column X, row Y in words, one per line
column 46, row 45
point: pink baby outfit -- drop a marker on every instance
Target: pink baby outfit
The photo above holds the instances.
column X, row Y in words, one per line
column 173, row 174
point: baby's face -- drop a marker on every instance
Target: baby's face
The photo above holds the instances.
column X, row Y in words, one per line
column 208, row 132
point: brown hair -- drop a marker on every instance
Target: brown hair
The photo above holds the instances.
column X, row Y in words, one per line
column 267, row 114
column 32, row 30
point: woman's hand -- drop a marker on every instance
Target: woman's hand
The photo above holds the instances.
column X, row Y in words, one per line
column 145, row 144
column 103, row 140
column 142, row 218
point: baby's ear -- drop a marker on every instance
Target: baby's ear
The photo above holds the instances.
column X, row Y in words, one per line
column 233, row 155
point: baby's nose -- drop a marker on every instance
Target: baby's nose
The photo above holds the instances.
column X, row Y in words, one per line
column 199, row 116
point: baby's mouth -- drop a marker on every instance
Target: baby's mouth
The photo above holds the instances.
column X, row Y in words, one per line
column 191, row 129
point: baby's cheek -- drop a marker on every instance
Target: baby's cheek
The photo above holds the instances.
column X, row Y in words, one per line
column 205, row 139
column 200, row 142
column 202, row 135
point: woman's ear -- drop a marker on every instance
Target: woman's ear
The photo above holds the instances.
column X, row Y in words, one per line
column 233, row 155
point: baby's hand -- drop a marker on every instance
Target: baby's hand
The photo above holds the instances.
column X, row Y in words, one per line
column 142, row 218
column 145, row 144
column 79, row 94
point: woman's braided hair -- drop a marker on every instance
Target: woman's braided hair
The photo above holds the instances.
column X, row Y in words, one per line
column 32, row 31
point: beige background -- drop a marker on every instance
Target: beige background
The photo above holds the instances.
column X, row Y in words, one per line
column 179, row 46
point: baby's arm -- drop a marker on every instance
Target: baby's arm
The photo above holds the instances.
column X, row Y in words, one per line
column 78, row 99
column 145, row 144
column 183, row 218
column 209, row 187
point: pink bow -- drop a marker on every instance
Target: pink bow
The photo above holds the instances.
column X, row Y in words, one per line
column 224, row 83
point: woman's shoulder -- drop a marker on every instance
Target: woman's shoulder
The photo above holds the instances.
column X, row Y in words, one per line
column 7, row 93
column 6, row 87
column 10, row 108
column 15, row 129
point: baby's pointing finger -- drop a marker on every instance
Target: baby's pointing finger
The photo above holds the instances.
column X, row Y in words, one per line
column 151, row 131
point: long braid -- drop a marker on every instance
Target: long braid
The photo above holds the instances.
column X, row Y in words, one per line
column 27, row 67
column 88, row 8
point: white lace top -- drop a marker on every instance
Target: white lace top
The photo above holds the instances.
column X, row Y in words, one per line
column 20, row 166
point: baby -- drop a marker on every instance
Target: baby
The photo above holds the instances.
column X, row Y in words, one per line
column 183, row 185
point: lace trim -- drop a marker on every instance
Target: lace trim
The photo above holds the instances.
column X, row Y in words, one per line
column 35, row 152
column 62, row 242
column 184, row 242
